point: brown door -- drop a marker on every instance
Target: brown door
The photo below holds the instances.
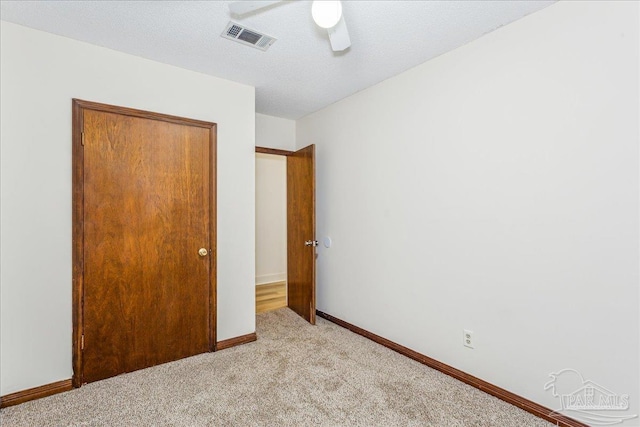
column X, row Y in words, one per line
column 148, row 206
column 301, row 232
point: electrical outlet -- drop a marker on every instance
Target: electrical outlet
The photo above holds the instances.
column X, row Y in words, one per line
column 467, row 338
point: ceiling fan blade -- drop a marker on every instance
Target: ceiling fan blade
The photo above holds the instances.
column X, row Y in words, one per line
column 339, row 36
column 243, row 7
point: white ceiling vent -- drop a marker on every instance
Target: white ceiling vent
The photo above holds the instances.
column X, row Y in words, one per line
column 246, row 36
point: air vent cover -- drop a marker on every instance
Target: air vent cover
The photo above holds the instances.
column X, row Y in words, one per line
column 247, row 37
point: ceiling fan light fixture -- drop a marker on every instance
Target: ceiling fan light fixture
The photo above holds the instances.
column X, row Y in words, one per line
column 326, row 13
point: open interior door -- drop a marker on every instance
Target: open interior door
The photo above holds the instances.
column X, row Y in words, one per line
column 301, row 233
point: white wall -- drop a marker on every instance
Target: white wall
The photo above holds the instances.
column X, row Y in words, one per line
column 275, row 132
column 40, row 73
column 271, row 218
column 494, row 188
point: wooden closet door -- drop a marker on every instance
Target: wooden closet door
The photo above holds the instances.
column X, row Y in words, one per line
column 147, row 218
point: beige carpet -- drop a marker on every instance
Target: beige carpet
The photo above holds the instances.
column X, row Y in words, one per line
column 294, row 375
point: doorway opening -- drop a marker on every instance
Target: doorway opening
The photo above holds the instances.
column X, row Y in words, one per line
column 271, row 231
column 300, row 220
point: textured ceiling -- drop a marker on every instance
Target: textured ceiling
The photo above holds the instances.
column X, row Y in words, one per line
column 299, row 74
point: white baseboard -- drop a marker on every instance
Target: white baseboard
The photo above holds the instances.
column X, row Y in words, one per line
column 270, row 278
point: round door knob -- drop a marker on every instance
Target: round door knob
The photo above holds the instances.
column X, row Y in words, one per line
column 203, row 252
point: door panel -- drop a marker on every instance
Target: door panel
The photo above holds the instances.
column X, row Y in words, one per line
column 146, row 215
column 301, row 227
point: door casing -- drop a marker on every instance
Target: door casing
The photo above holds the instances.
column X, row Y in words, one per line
column 78, row 108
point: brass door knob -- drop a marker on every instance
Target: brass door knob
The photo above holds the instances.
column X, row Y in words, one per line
column 203, row 252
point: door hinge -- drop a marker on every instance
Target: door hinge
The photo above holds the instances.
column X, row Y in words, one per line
column 82, row 139
column 82, row 342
